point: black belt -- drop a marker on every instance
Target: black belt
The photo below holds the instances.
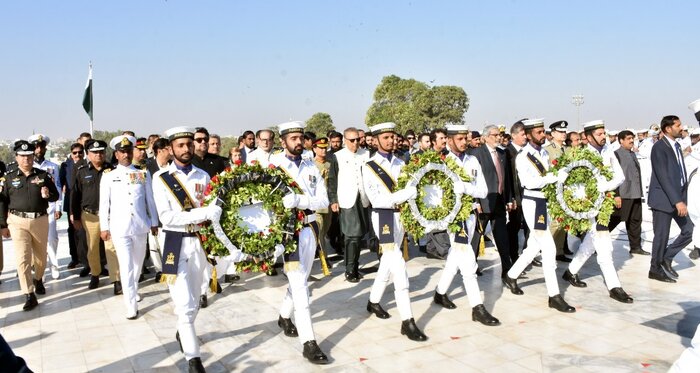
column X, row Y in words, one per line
column 28, row 215
column 394, row 209
column 183, row 234
column 91, row 211
column 535, row 190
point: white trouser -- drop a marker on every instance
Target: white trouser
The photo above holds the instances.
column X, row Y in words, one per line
column 461, row 256
column 155, row 243
column 130, row 253
column 695, row 218
column 186, row 291
column 52, row 242
column 539, row 240
column 392, row 264
column 297, row 297
column 208, row 269
column 597, row 241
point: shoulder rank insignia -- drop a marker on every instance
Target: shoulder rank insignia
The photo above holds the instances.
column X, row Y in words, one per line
column 540, row 219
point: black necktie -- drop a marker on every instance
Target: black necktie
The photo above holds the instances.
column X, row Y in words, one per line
column 681, row 164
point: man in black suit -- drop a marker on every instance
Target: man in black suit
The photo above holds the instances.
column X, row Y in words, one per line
column 515, row 215
column 499, row 199
column 668, row 195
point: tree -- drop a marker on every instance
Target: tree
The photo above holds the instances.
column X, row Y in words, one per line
column 320, row 124
column 416, row 105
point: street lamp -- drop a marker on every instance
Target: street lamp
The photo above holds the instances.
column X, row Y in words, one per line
column 578, row 101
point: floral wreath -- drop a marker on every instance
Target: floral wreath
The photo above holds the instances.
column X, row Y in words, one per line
column 432, row 168
column 576, row 202
column 238, row 186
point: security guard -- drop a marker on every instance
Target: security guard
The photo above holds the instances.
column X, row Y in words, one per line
column 598, row 237
column 54, row 211
column 175, row 191
column 85, row 204
column 25, row 194
column 461, row 256
column 298, row 265
column 380, row 174
column 127, row 214
column 532, row 164
column 555, row 149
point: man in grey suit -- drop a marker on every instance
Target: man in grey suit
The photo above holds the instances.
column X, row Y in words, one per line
column 628, row 197
column 668, row 195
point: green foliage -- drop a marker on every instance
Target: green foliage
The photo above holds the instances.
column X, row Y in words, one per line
column 320, row 124
column 415, row 105
column 439, row 179
column 6, row 154
column 579, row 176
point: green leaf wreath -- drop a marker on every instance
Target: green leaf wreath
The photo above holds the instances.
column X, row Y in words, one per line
column 439, row 179
column 575, row 201
column 240, row 185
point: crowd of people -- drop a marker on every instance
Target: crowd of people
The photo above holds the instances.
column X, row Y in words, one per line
column 140, row 211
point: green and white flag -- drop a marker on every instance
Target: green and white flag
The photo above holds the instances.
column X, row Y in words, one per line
column 87, row 97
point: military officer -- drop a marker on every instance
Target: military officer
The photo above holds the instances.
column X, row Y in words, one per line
column 532, row 164
column 380, row 174
column 85, row 205
column 460, row 255
column 127, row 214
column 175, row 191
column 297, row 266
column 54, row 211
column 25, row 193
column 597, row 239
column 139, row 153
column 555, row 149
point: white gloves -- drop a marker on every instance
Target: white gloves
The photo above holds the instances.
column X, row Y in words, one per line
column 403, row 195
column 303, row 201
column 279, row 250
column 602, row 184
column 213, row 212
column 290, row 201
column 459, row 188
column 549, row 178
column 562, row 175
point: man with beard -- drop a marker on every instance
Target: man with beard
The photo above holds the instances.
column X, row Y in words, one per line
column 211, row 163
column 76, row 239
column 515, row 215
column 363, row 139
column 532, row 164
column 297, row 265
column 336, row 141
column 176, row 191
column 597, row 239
column 555, row 149
column 438, row 242
column 380, row 175
column 54, row 212
column 460, row 256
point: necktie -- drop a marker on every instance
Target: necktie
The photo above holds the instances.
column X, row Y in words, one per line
column 499, row 172
column 681, row 164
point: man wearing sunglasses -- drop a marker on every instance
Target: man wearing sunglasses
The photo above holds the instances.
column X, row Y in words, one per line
column 211, row 163
column 76, row 239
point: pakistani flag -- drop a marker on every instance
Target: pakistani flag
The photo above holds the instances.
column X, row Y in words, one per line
column 87, row 97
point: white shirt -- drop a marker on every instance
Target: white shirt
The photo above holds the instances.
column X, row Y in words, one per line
column 477, row 188
column 52, row 169
column 126, row 202
column 377, row 193
column 309, row 179
column 171, row 214
column 259, row 155
column 350, row 177
column 529, row 175
column 610, row 160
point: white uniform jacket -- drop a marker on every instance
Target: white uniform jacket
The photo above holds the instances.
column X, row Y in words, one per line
column 172, row 216
column 528, row 173
column 309, row 179
column 126, row 202
column 52, row 169
column 350, row 177
column 610, row 160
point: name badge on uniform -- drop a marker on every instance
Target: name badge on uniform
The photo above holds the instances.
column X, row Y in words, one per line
column 15, row 182
column 312, row 181
column 474, row 173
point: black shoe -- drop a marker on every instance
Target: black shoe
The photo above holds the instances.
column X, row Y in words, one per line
column 141, row 278
column 104, row 272
column 663, row 277
column 620, row 295
column 231, row 278
column 573, row 279
column 434, row 256
column 72, row 264
column 290, row 330
column 667, row 265
column 478, row 272
column 196, row 365
column 314, row 354
column 512, row 284
column 410, row 329
column 558, row 303
column 442, row 300
column 179, row 343
column 219, row 290
column 203, row 302
column 94, row 282
column 563, row 258
column 377, row 310
column 422, row 248
column 536, row 263
column 39, row 287
column 352, row 277
column 480, row 314
column 694, row 254
column 31, row 302
column 271, row 272
column 85, row 272
column 145, row 271
column 639, row 252
column 133, row 317
column 117, row 287
column 157, row 278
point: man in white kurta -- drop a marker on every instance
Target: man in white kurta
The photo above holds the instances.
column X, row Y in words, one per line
column 127, row 214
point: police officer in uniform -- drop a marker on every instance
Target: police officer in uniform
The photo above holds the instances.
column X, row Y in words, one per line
column 379, row 179
column 555, row 149
column 297, row 266
column 532, row 164
column 85, row 205
column 25, row 194
column 597, row 239
column 54, row 211
column 127, row 214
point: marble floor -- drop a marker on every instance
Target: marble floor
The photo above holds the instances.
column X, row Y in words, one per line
column 79, row 330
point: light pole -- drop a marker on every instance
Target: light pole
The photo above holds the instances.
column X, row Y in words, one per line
column 578, row 101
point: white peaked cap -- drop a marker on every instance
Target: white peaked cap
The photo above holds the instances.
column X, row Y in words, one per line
column 382, row 127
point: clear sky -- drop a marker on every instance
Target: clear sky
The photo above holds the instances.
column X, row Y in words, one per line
column 233, row 65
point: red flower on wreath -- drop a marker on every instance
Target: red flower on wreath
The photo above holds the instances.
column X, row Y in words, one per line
column 203, row 238
column 215, row 179
column 227, row 169
column 560, row 219
column 254, row 162
column 238, row 162
column 208, row 190
column 294, row 184
column 442, row 157
column 555, row 162
column 300, row 215
column 246, row 270
column 567, row 227
column 264, row 267
column 271, row 166
column 609, row 195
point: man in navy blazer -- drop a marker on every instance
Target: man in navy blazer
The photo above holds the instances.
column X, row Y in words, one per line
column 668, row 194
